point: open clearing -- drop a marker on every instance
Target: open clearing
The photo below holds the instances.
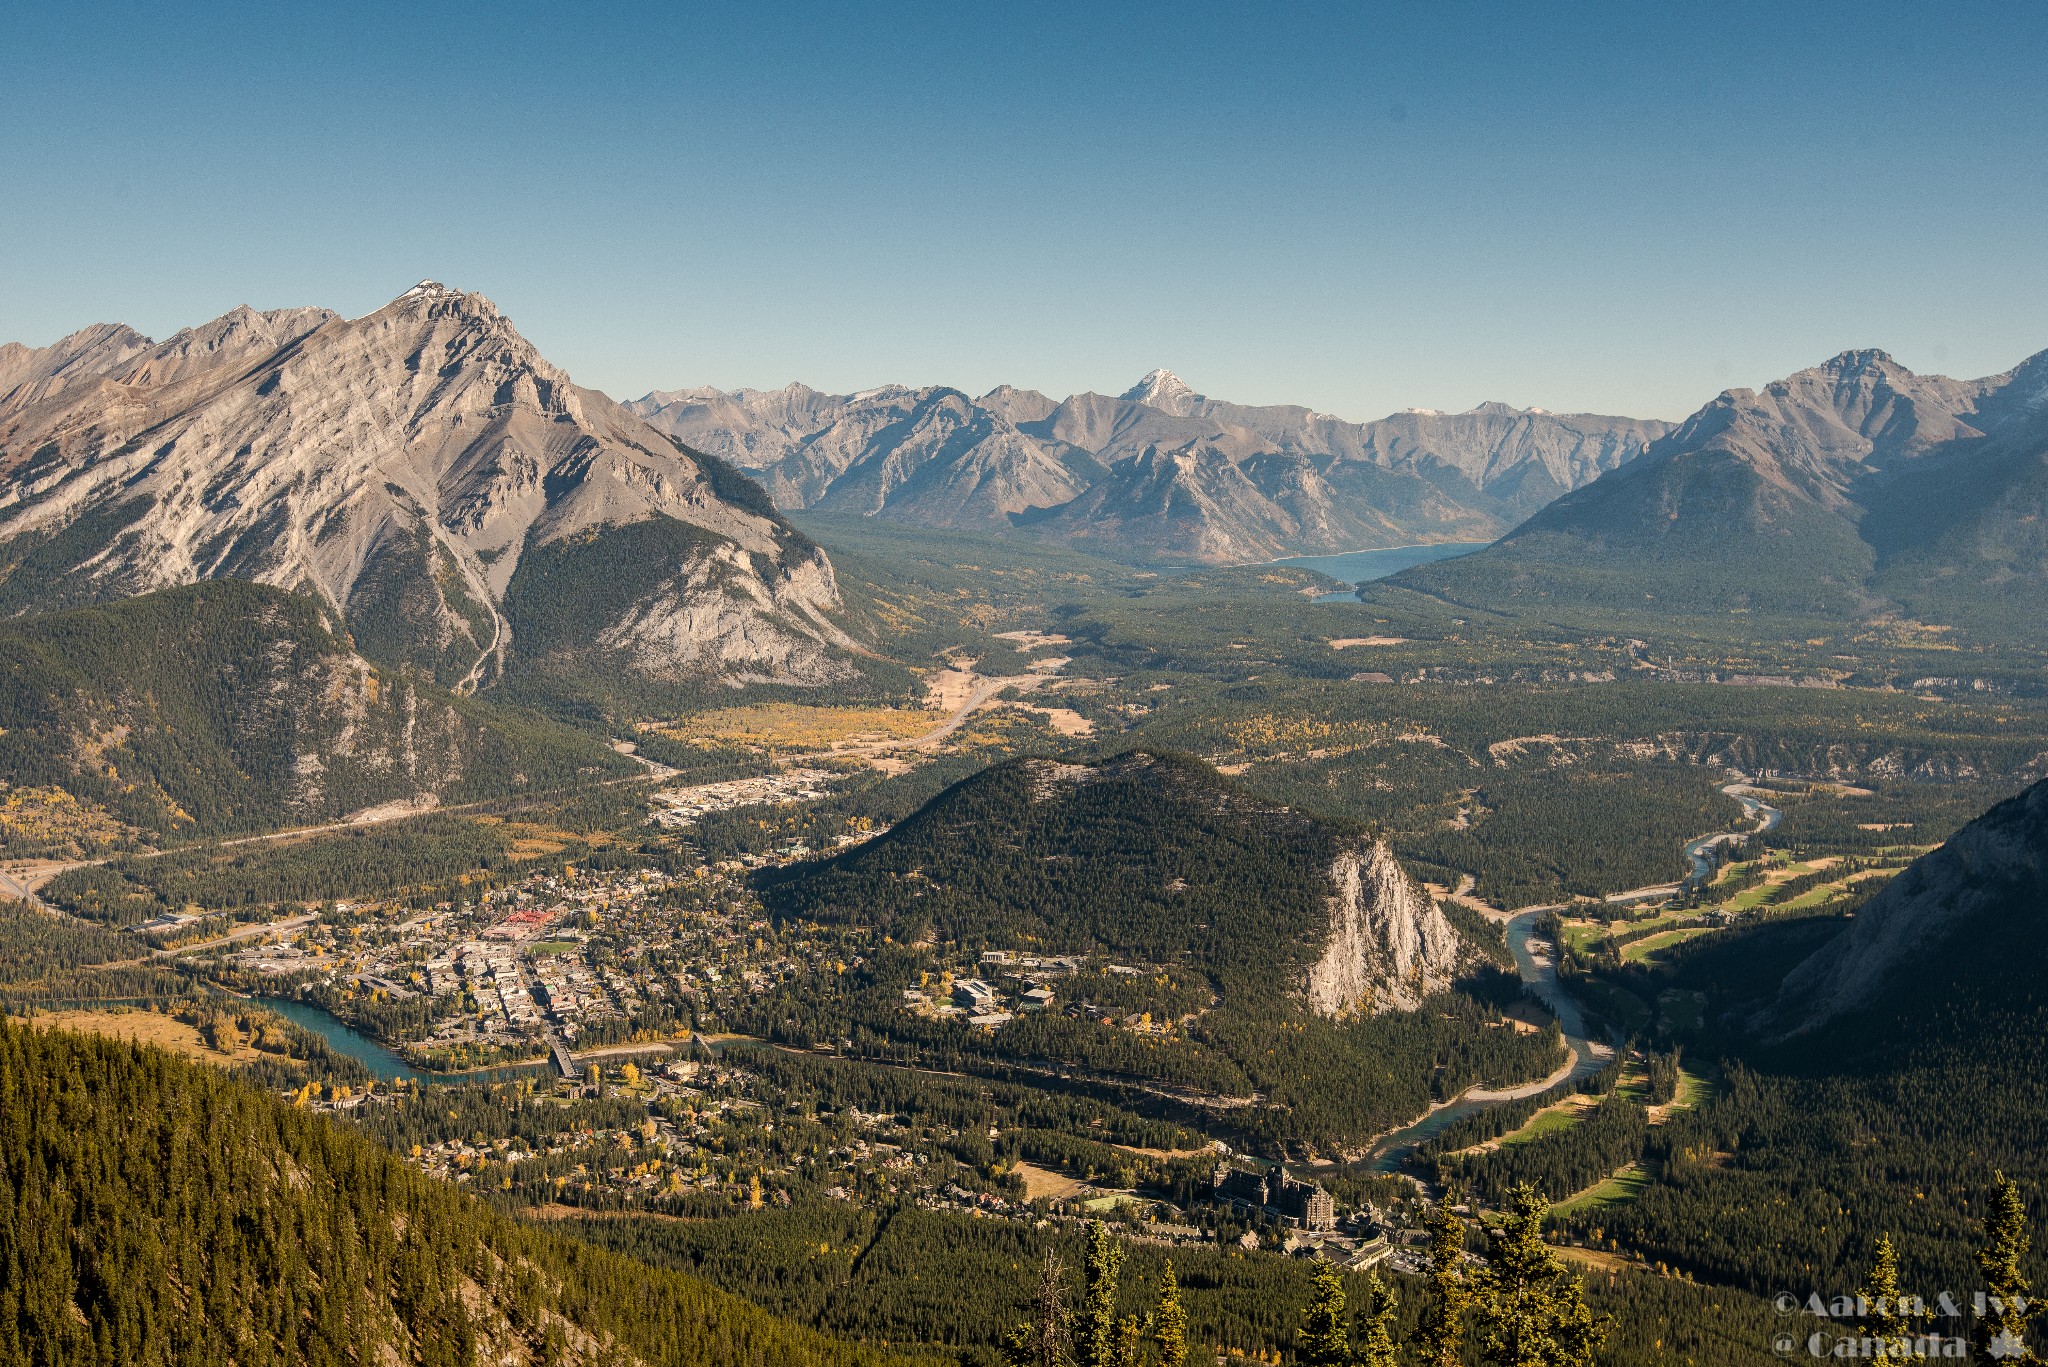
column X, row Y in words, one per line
column 148, row 1027
column 1617, row 1190
column 780, row 727
column 1043, row 1182
column 1642, row 950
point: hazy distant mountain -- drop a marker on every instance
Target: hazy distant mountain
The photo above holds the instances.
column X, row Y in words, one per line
column 1854, row 487
column 450, row 495
column 1160, row 472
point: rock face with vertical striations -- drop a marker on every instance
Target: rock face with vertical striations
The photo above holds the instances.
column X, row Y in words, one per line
column 451, row 496
column 1853, row 489
column 1389, row 945
column 1152, row 856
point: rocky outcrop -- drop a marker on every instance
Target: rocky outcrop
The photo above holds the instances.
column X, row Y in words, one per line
column 401, row 466
column 1389, row 945
column 1997, row 866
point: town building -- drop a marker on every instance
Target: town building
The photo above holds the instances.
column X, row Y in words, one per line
column 1304, row 1205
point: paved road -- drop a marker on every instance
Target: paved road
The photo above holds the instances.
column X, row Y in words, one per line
column 247, row 932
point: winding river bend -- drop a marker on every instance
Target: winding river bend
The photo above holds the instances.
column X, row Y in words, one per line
column 1537, row 963
column 384, row 1065
column 1753, row 809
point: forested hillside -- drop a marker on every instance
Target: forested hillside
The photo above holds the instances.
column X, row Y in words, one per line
column 1892, row 1116
column 1251, row 956
column 156, row 1212
column 1153, row 856
column 228, row 706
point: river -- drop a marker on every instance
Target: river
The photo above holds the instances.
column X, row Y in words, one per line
column 384, row 1065
column 1752, row 809
column 1538, row 966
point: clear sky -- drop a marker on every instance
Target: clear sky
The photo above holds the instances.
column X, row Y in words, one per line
column 1608, row 207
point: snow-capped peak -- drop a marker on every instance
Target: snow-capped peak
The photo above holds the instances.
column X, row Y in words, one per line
column 426, row 289
column 1162, row 389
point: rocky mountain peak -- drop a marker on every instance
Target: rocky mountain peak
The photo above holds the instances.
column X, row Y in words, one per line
column 1861, row 361
column 1164, row 390
column 405, row 465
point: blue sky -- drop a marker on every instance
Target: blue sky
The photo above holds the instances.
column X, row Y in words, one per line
column 1618, row 208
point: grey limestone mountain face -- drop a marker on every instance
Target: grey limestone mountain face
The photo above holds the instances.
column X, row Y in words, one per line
column 1389, row 945
column 423, row 471
column 1160, row 472
column 1855, row 486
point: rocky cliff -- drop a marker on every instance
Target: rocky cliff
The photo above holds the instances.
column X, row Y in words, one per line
column 1389, row 945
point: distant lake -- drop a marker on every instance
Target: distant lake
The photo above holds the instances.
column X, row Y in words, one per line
column 1360, row 567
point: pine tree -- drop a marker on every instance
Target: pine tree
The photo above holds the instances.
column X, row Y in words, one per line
column 1443, row 1319
column 1891, row 1320
column 1130, row 1341
column 1322, row 1340
column 2008, row 1303
column 1170, row 1323
column 1098, row 1336
column 1376, row 1345
column 1531, row 1311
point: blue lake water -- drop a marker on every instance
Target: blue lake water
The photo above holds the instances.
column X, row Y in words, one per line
column 1360, row 567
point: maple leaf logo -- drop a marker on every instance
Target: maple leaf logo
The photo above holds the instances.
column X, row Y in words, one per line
column 2007, row 1344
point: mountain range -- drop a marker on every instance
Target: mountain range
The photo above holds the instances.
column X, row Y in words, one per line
column 1159, row 473
column 1855, row 488
column 453, row 500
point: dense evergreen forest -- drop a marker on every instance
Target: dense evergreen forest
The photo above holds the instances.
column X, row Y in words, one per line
column 1218, row 898
column 1151, row 856
column 423, row 853
column 1892, row 1120
column 155, row 1211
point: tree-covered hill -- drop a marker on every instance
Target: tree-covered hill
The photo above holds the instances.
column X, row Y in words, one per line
column 228, row 706
column 1249, row 951
column 1153, row 856
column 154, row 1211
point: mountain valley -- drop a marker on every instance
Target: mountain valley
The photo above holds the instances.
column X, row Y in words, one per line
column 844, row 904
